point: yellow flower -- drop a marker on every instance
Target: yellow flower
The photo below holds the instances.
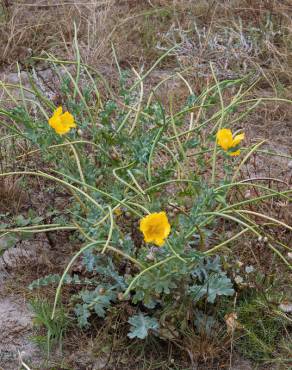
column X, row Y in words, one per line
column 155, row 228
column 62, row 122
column 118, row 212
column 226, row 140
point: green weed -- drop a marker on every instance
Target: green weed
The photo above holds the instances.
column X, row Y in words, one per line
column 127, row 159
column 55, row 329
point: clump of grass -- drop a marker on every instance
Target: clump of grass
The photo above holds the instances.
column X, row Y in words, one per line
column 54, row 330
column 264, row 328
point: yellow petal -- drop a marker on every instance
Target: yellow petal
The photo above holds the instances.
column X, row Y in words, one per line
column 68, row 120
column 118, row 212
column 155, row 228
column 224, row 138
column 54, row 121
column 144, row 224
column 61, row 122
column 166, row 229
column 159, row 242
column 58, row 111
column 234, row 154
column 237, row 139
column 62, row 129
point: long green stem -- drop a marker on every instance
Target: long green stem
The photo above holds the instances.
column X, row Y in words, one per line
column 58, row 291
column 265, row 217
column 136, row 190
column 77, row 162
column 214, row 156
column 247, row 156
column 180, row 146
column 234, row 237
column 110, row 230
column 149, row 164
column 174, row 252
column 152, row 68
column 45, row 175
column 100, row 191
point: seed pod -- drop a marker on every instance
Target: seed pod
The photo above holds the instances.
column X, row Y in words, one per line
column 80, row 132
column 260, row 239
column 265, row 240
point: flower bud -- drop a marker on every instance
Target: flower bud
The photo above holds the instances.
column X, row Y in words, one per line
column 98, row 180
column 120, row 296
column 239, row 263
column 114, row 156
column 238, row 279
column 150, row 256
column 247, row 194
column 128, row 215
column 101, row 291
